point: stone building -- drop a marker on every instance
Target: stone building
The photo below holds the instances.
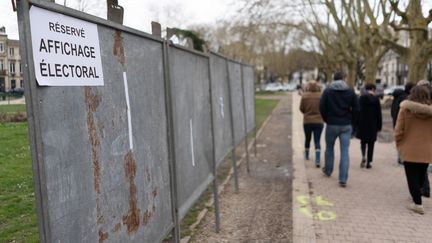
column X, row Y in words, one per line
column 10, row 63
column 392, row 70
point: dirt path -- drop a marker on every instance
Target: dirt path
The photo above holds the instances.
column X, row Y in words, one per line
column 261, row 211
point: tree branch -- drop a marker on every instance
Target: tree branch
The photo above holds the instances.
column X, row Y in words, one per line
column 395, row 6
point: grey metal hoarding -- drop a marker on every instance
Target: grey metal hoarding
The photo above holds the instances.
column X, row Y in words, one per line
column 189, row 77
column 221, row 106
column 100, row 154
column 249, row 95
column 235, row 82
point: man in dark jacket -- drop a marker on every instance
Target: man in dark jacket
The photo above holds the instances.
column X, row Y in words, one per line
column 338, row 107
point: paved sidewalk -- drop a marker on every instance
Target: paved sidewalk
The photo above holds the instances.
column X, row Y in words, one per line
column 12, row 101
column 372, row 208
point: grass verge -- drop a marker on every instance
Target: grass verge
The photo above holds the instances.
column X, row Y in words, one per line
column 17, row 201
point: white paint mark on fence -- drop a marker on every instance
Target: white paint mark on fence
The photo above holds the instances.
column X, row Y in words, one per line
column 128, row 110
column 192, row 142
column 221, row 105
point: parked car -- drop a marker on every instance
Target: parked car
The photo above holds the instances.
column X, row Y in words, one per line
column 391, row 89
column 273, row 87
column 288, row 87
column 379, row 91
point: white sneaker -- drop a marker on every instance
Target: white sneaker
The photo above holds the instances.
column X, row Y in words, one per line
column 416, row 208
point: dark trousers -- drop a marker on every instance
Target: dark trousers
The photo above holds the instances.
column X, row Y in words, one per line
column 370, row 150
column 415, row 174
column 316, row 130
column 426, row 186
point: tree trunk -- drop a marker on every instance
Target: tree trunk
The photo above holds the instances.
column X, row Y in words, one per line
column 416, row 68
column 329, row 75
column 352, row 73
column 371, row 66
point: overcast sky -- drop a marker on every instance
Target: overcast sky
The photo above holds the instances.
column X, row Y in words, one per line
column 139, row 13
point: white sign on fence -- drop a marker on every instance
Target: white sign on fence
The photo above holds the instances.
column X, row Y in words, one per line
column 65, row 50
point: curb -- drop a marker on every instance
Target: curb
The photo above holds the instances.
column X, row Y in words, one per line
column 303, row 225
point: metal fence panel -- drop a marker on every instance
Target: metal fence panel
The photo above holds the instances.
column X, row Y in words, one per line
column 235, row 82
column 249, row 93
column 189, row 76
column 221, row 106
column 96, row 185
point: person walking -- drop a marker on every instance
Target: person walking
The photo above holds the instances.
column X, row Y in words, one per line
column 338, row 108
column 368, row 123
column 398, row 97
column 312, row 121
column 413, row 135
column 425, row 189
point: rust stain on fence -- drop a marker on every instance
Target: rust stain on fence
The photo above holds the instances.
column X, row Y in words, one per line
column 118, row 49
column 132, row 219
column 102, row 236
column 93, row 101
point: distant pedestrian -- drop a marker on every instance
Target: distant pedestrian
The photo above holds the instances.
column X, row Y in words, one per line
column 398, row 97
column 338, row 107
column 413, row 135
column 312, row 121
column 368, row 123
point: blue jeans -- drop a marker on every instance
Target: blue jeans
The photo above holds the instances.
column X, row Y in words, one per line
column 315, row 129
column 331, row 134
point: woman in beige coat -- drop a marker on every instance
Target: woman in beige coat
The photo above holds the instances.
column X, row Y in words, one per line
column 413, row 135
column 312, row 121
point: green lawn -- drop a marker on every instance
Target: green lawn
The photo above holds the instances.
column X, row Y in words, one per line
column 12, row 108
column 263, row 108
column 17, row 201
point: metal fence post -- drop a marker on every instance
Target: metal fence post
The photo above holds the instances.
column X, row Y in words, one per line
column 215, row 185
column 233, row 149
column 170, row 133
column 255, row 120
column 33, row 123
column 245, row 119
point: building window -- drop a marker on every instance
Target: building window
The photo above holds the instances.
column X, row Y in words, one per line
column 13, row 84
column 1, row 47
column 20, row 67
column 1, row 65
column 11, row 51
column 21, row 83
column 12, row 67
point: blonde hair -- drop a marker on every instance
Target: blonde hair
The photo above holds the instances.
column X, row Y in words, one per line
column 313, row 86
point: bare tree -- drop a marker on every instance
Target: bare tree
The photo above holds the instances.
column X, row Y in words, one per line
column 419, row 51
column 356, row 30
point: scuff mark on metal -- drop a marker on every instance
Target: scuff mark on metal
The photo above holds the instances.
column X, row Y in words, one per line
column 132, row 218
column 118, row 49
column 147, row 174
column 117, row 227
column 148, row 214
column 101, row 127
